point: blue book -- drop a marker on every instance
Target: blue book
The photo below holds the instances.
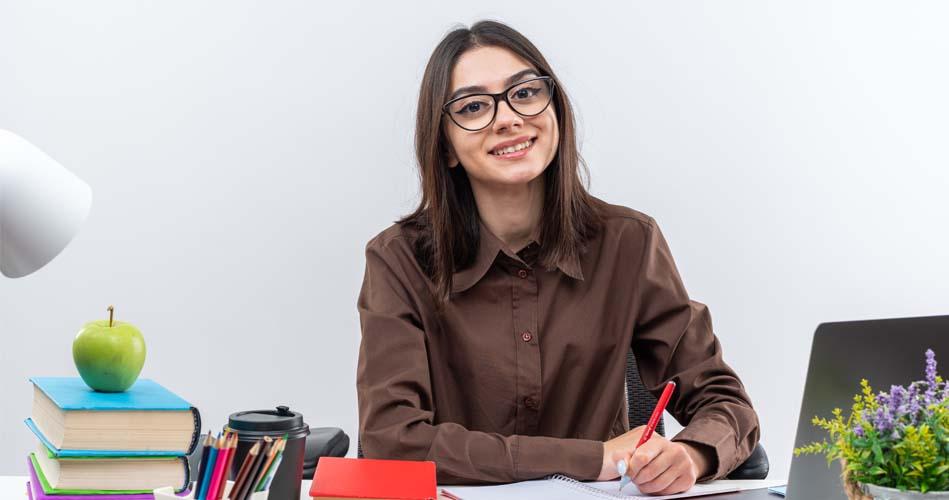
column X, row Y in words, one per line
column 71, row 419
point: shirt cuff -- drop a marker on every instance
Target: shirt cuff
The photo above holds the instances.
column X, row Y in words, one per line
column 538, row 456
column 720, row 437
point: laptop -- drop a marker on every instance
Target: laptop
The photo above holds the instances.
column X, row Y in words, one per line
column 886, row 352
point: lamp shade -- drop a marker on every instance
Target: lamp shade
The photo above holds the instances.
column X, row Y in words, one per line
column 42, row 206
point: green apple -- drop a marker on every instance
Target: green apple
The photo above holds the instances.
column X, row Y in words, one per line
column 109, row 355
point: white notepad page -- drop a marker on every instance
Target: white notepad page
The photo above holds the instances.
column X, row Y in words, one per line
column 563, row 488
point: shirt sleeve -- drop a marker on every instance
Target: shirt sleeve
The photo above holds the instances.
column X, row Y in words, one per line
column 673, row 340
column 396, row 407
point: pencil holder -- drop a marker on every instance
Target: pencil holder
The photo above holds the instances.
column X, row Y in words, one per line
column 252, row 426
column 169, row 493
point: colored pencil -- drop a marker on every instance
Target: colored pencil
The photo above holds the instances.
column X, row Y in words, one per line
column 231, row 450
column 218, row 478
column 244, row 470
column 248, row 486
column 273, row 471
column 272, row 468
column 449, row 495
column 215, row 480
column 206, row 481
column 204, row 462
column 265, row 470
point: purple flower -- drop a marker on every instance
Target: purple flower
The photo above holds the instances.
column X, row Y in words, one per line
column 896, row 399
column 930, row 376
column 892, row 412
column 912, row 406
column 883, row 399
column 884, row 420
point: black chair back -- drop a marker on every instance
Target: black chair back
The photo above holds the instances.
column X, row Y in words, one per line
column 639, row 401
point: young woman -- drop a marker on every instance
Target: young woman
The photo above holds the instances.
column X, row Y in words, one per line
column 497, row 317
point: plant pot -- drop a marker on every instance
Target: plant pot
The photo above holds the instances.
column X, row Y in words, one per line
column 853, row 489
column 863, row 491
column 883, row 493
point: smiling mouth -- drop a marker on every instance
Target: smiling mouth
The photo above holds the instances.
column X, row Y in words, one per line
column 514, row 151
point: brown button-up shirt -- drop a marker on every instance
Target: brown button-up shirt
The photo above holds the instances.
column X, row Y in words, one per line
column 522, row 374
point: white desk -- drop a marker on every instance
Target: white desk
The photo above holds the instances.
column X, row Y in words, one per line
column 747, row 490
column 14, row 488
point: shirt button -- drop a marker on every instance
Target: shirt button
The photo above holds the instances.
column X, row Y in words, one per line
column 530, row 402
column 522, row 274
column 526, row 336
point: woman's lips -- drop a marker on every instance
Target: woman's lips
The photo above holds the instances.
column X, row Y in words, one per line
column 517, row 154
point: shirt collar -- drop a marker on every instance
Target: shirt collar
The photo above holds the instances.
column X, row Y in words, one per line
column 489, row 246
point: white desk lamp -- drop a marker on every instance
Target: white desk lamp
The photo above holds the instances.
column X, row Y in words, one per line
column 42, row 206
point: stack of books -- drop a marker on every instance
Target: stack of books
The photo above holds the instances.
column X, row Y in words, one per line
column 99, row 445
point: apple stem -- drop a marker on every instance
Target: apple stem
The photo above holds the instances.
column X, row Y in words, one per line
column 111, row 310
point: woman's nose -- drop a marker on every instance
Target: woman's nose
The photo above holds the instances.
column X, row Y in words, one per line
column 506, row 117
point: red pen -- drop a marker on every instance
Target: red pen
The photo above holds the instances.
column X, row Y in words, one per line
column 657, row 413
column 650, row 427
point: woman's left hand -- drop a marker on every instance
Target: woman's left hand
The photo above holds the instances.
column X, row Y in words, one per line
column 663, row 467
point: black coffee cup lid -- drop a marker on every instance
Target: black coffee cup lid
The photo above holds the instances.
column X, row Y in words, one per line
column 278, row 421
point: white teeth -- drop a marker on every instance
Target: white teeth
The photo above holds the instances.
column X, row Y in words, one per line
column 512, row 149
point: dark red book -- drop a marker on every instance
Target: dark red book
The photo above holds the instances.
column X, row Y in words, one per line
column 363, row 478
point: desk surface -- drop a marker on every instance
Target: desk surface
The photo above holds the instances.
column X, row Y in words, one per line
column 14, row 487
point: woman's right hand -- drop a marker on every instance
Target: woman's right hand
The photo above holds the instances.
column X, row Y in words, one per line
column 659, row 466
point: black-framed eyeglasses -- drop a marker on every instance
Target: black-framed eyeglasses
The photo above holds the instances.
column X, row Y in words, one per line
column 474, row 112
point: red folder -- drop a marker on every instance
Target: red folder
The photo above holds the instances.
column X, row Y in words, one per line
column 373, row 479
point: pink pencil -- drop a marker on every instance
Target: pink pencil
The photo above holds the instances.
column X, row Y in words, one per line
column 231, row 450
column 218, row 468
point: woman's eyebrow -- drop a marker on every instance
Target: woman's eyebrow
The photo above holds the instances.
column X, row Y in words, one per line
column 480, row 88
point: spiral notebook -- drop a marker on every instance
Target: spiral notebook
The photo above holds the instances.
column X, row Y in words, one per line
column 559, row 487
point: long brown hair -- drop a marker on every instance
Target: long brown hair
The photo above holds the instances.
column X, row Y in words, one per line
column 447, row 217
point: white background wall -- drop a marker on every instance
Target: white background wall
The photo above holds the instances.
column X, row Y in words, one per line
column 242, row 153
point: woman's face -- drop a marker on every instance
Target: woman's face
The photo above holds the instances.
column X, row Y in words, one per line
column 478, row 152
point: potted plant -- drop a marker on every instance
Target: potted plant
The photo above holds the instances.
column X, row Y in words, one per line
column 892, row 445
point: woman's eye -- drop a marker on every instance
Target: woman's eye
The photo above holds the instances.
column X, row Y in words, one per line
column 471, row 107
column 525, row 93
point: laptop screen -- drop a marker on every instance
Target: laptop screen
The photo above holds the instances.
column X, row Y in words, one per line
column 885, row 352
